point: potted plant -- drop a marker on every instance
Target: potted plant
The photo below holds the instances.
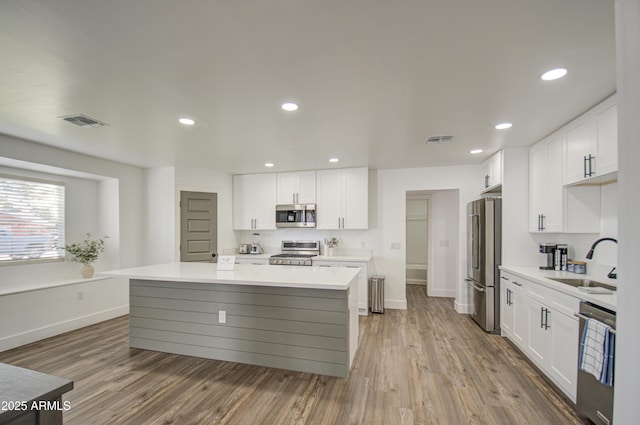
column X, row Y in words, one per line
column 330, row 246
column 86, row 252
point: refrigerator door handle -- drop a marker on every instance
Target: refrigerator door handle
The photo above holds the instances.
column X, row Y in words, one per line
column 475, row 248
column 473, row 284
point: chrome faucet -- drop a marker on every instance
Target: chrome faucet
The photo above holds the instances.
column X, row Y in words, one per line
column 611, row 274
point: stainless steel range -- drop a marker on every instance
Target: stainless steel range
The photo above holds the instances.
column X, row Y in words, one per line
column 296, row 253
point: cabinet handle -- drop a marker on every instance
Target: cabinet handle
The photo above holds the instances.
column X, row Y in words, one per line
column 508, row 296
column 584, row 166
column 542, row 222
column 504, row 277
column 591, row 172
column 546, row 319
column 486, row 181
column 517, row 284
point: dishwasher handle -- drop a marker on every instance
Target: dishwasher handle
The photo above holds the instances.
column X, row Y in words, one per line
column 584, row 317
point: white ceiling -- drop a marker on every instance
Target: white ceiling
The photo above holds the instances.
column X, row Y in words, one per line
column 373, row 78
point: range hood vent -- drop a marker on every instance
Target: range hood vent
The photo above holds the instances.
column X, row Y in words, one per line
column 82, row 120
column 438, row 140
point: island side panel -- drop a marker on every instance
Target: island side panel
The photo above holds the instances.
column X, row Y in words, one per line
column 290, row 328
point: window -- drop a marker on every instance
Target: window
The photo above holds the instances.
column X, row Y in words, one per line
column 31, row 219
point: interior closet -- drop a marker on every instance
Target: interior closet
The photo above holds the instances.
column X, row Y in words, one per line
column 417, row 240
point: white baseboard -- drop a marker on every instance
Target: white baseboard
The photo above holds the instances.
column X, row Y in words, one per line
column 17, row 340
column 462, row 308
column 395, row 304
column 443, row 293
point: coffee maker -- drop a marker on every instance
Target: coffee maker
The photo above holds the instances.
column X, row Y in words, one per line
column 550, row 250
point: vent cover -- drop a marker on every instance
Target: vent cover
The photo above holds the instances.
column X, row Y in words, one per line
column 83, row 121
column 438, row 140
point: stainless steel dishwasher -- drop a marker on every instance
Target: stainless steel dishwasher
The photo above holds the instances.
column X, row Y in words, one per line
column 595, row 399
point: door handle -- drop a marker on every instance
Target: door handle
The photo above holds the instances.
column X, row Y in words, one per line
column 474, row 286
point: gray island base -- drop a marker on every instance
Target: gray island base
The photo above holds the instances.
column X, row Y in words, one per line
column 295, row 318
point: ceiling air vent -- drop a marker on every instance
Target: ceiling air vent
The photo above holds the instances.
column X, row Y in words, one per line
column 438, row 140
column 83, row 121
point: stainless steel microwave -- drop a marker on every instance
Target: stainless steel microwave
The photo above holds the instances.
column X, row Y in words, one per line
column 296, row 215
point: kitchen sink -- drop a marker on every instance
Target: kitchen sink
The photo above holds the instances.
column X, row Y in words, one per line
column 586, row 283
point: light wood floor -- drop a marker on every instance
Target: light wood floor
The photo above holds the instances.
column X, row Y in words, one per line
column 426, row 365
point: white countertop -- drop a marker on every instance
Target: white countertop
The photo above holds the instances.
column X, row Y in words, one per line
column 337, row 278
column 542, row 277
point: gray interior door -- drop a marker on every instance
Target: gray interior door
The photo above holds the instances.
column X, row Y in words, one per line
column 198, row 226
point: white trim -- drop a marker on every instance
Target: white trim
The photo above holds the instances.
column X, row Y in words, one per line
column 29, row 287
column 395, row 304
column 34, row 335
column 443, row 293
column 462, row 308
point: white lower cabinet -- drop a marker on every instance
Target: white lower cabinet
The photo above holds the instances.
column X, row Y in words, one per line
column 514, row 313
column 363, row 287
column 540, row 322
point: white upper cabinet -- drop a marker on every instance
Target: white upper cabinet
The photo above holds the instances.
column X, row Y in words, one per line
column 607, row 124
column 591, row 144
column 254, row 202
column 343, row 198
column 491, row 175
column 296, row 187
column 554, row 208
column 546, row 212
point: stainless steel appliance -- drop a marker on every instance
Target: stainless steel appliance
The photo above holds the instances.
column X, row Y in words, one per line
column 296, row 253
column 296, row 215
column 595, row 399
column 484, row 253
column 550, row 250
column 256, row 247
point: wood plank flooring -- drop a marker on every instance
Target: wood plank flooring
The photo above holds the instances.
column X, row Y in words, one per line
column 425, row 365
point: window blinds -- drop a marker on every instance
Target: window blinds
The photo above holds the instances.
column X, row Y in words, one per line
column 31, row 219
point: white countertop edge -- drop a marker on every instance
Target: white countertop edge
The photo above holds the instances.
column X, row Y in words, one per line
column 39, row 286
column 608, row 301
column 244, row 274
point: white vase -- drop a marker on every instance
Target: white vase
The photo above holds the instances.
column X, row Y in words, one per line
column 330, row 251
column 86, row 271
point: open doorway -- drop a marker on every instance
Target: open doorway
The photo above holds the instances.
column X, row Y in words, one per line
column 417, row 238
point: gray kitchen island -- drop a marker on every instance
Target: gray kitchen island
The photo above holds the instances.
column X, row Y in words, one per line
column 297, row 318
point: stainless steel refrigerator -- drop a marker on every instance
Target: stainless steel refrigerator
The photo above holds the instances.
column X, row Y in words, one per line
column 484, row 253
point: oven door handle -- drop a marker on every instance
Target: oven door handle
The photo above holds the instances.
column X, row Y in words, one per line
column 474, row 286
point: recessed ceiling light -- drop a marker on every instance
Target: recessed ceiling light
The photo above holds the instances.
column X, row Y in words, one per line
column 289, row 107
column 186, row 121
column 333, row 160
column 475, row 151
column 269, row 164
column 503, row 126
column 554, row 74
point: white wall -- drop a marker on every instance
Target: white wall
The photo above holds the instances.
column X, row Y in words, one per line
column 518, row 246
column 392, row 186
column 445, row 251
column 99, row 192
column 627, row 379
column 161, row 203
